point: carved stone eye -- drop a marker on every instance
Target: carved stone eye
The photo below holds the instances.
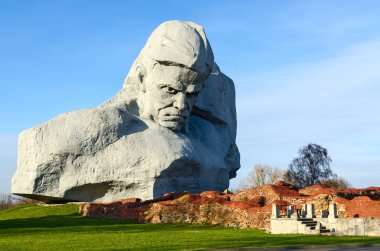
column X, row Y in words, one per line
column 171, row 90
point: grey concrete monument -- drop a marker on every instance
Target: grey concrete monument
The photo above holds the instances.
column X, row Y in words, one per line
column 172, row 127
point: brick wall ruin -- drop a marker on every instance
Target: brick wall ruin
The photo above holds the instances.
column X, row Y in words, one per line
column 250, row 208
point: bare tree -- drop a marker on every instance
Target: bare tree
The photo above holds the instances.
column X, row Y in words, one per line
column 6, row 201
column 337, row 183
column 10, row 200
column 261, row 175
column 310, row 167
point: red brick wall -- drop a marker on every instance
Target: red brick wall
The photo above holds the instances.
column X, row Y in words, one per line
column 361, row 207
column 249, row 208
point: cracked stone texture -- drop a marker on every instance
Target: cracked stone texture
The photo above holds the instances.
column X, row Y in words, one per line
column 114, row 151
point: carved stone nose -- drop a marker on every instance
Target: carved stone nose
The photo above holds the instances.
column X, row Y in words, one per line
column 180, row 101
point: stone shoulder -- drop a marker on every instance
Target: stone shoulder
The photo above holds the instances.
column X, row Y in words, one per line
column 79, row 132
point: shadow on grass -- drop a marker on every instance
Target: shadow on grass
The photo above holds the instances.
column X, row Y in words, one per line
column 57, row 221
column 77, row 223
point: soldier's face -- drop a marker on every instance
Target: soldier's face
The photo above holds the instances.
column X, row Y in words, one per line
column 171, row 92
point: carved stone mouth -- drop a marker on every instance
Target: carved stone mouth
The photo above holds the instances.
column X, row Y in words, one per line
column 175, row 118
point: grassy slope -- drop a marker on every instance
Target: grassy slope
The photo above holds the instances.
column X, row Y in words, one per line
column 34, row 227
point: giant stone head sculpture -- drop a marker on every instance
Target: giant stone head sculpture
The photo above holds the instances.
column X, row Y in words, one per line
column 172, row 69
column 172, row 127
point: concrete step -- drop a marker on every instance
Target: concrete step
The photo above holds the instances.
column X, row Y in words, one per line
column 308, row 222
column 304, row 219
column 312, row 225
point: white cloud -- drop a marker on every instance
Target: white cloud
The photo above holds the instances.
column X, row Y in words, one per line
column 333, row 102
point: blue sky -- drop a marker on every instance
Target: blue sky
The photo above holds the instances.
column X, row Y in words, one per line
column 304, row 71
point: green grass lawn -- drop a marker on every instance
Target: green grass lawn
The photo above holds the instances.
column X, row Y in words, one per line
column 60, row 227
